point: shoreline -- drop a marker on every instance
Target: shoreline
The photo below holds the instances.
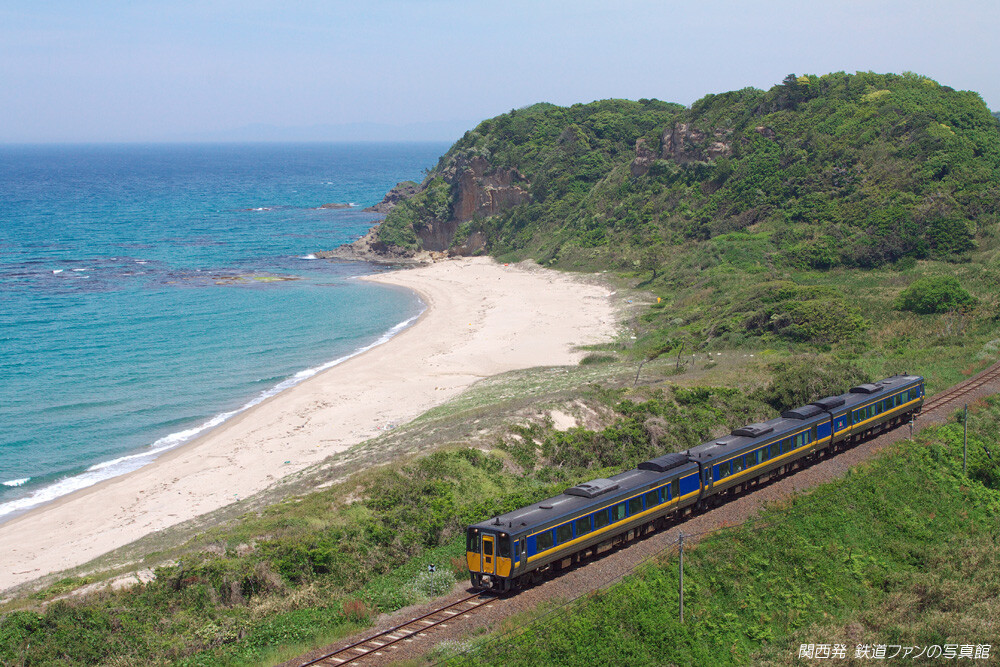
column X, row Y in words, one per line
column 481, row 318
column 160, row 448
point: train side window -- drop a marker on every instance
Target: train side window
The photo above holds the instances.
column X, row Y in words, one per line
column 737, row 464
column 618, row 512
column 582, row 526
column 675, row 488
column 503, row 546
column 652, row 498
column 564, row 533
column 765, row 452
column 544, row 541
column 635, row 506
column 601, row 519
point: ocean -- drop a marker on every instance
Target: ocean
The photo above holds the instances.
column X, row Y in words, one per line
column 148, row 293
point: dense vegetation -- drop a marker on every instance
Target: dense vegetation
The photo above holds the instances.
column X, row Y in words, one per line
column 853, row 170
column 753, row 213
column 860, row 561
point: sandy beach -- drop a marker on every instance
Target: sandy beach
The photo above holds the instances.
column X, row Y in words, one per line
column 482, row 318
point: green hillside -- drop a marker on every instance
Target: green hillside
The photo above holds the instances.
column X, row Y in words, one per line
column 854, row 170
column 794, row 216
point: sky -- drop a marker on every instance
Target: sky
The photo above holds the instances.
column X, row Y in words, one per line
column 215, row 70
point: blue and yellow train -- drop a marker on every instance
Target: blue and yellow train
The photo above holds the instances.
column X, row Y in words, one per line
column 519, row 547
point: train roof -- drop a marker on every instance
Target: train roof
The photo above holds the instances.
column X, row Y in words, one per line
column 594, row 493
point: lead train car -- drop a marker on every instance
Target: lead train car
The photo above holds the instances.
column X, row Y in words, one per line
column 516, row 548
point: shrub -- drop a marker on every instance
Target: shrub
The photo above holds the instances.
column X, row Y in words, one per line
column 799, row 381
column 934, row 294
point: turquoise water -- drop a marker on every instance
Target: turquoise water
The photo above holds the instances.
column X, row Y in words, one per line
column 147, row 293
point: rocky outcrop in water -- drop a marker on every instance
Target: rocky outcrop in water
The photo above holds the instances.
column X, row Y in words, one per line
column 400, row 192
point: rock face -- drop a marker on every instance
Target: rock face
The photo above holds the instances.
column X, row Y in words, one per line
column 476, row 189
column 400, row 192
column 644, row 158
column 484, row 191
column 683, row 143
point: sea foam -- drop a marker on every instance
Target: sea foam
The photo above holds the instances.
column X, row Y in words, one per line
column 129, row 463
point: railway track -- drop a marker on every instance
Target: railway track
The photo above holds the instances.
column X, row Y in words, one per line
column 961, row 389
column 376, row 644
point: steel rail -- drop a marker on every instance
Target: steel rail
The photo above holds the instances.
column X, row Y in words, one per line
column 943, row 398
column 383, row 640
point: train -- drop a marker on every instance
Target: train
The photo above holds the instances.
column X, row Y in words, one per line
column 519, row 548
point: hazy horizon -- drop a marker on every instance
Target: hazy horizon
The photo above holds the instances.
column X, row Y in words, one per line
column 391, row 70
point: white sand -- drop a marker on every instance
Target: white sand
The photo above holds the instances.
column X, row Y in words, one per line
column 483, row 318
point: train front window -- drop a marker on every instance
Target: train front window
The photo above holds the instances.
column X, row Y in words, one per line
column 472, row 541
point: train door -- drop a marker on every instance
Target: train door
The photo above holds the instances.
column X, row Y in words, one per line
column 489, row 554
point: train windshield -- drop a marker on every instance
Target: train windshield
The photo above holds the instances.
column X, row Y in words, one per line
column 472, row 540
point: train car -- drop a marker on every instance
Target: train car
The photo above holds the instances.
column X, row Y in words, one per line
column 871, row 408
column 733, row 463
column 516, row 548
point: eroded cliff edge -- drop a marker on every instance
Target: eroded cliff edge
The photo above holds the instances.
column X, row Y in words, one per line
column 464, row 186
